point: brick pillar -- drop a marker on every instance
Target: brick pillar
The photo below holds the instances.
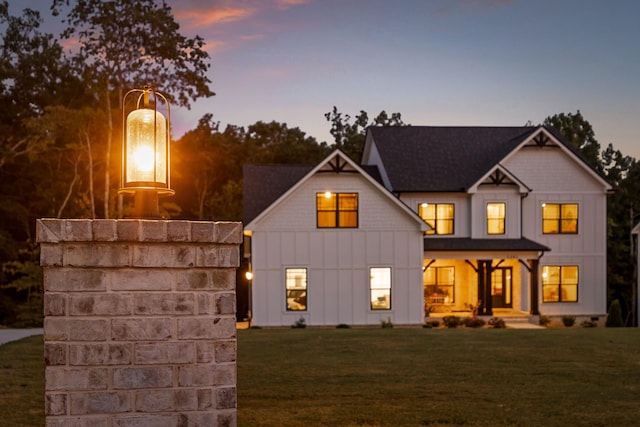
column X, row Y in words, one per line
column 139, row 324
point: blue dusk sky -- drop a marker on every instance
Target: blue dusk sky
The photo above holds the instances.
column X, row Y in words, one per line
column 437, row 62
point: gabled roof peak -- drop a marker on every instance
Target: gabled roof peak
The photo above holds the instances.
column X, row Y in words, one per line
column 442, row 158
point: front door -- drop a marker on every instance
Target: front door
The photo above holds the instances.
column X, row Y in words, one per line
column 501, row 287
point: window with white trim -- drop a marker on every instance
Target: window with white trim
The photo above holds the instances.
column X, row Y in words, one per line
column 296, row 288
column 380, row 288
column 560, row 283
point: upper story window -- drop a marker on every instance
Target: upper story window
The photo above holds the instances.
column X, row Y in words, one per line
column 496, row 213
column 380, row 288
column 337, row 210
column 296, row 288
column 560, row 283
column 439, row 216
column 559, row 218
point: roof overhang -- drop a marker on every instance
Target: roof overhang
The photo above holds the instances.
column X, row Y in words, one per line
column 466, row 247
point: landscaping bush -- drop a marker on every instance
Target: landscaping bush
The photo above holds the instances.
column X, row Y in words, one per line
column 568, row 321
column 589, row 324
column 386, row 324
column 342, row 326
column 432, row 324
column 473, row 322
column 497, row 323
column 451, row 321
column 544, row 320
column 614, row 318
column 300, row 324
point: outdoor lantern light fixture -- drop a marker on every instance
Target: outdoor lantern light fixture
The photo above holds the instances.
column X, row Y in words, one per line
column 145, row 150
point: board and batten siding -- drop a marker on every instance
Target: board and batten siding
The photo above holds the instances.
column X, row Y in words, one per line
column 337, row 260
column 555, row 177
column 494, row 194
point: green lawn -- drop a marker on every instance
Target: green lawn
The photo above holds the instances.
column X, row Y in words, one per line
column 440, row 377
column 403, row 377
column 22, row 383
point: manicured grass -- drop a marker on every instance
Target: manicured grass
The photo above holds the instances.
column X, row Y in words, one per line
column 402, row 377
column 422, row 377
column 22, row 383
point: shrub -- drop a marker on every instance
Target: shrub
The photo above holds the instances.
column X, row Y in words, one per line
column 544, row 320
column 342, row 326
column 433, row 324
column 300, row 324
column 497, row 323
column 451, row 321
column 589, row 324
column 386, row 324
column 473, row 322
column 614, row 318
column 568, row 321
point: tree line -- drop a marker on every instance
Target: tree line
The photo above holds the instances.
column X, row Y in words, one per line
column 61, row 124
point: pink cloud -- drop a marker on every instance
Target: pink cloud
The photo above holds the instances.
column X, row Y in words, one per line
column 203, row 18
column 286, row 4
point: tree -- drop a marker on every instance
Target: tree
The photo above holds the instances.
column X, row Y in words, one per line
column 208, row 163
column 350, row 137
column 133, row 43
column 33, row 74
column 580, row 134
column 198, row 159
column 70, row 136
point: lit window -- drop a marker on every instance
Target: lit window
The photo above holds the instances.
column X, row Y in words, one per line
column 296, row 287
column 495, row 218
column 439, row 216
column 560, row 283
column 560, row 218
column 337, row 210
column 439, row 285
column 380, row 288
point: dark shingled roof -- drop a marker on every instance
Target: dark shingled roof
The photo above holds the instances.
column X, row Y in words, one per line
column 443, row 158
column 493, row 245
column 263, row 184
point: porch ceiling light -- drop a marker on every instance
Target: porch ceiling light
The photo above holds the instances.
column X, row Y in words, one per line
column 145, row 150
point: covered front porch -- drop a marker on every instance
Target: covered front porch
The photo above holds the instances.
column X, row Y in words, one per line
column 485, row 277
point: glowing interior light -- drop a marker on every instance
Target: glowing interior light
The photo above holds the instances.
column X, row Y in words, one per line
column 327, row 195
column 424, row 205
column 248, row 275
column 144, row 159
column 146, row 146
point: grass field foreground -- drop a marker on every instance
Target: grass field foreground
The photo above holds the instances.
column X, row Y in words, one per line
column 423, row 377
column 402, row 377
column 22, row 383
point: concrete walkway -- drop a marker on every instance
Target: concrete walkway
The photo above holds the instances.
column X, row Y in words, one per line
column 8, row 335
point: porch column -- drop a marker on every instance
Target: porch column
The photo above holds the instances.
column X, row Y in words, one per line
column 488, row 307
column 534, row 264
column 484, row 287
column 481, row 276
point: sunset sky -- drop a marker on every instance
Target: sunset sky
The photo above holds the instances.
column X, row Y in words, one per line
column 437, row 62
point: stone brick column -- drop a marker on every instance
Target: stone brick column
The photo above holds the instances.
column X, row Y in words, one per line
column 139, row 324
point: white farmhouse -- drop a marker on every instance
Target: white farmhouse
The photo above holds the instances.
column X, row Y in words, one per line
column 508, row 220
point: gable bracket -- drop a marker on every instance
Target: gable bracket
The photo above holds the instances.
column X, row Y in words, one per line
column 337, row 165
column 498, row 177
column 541, row 139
